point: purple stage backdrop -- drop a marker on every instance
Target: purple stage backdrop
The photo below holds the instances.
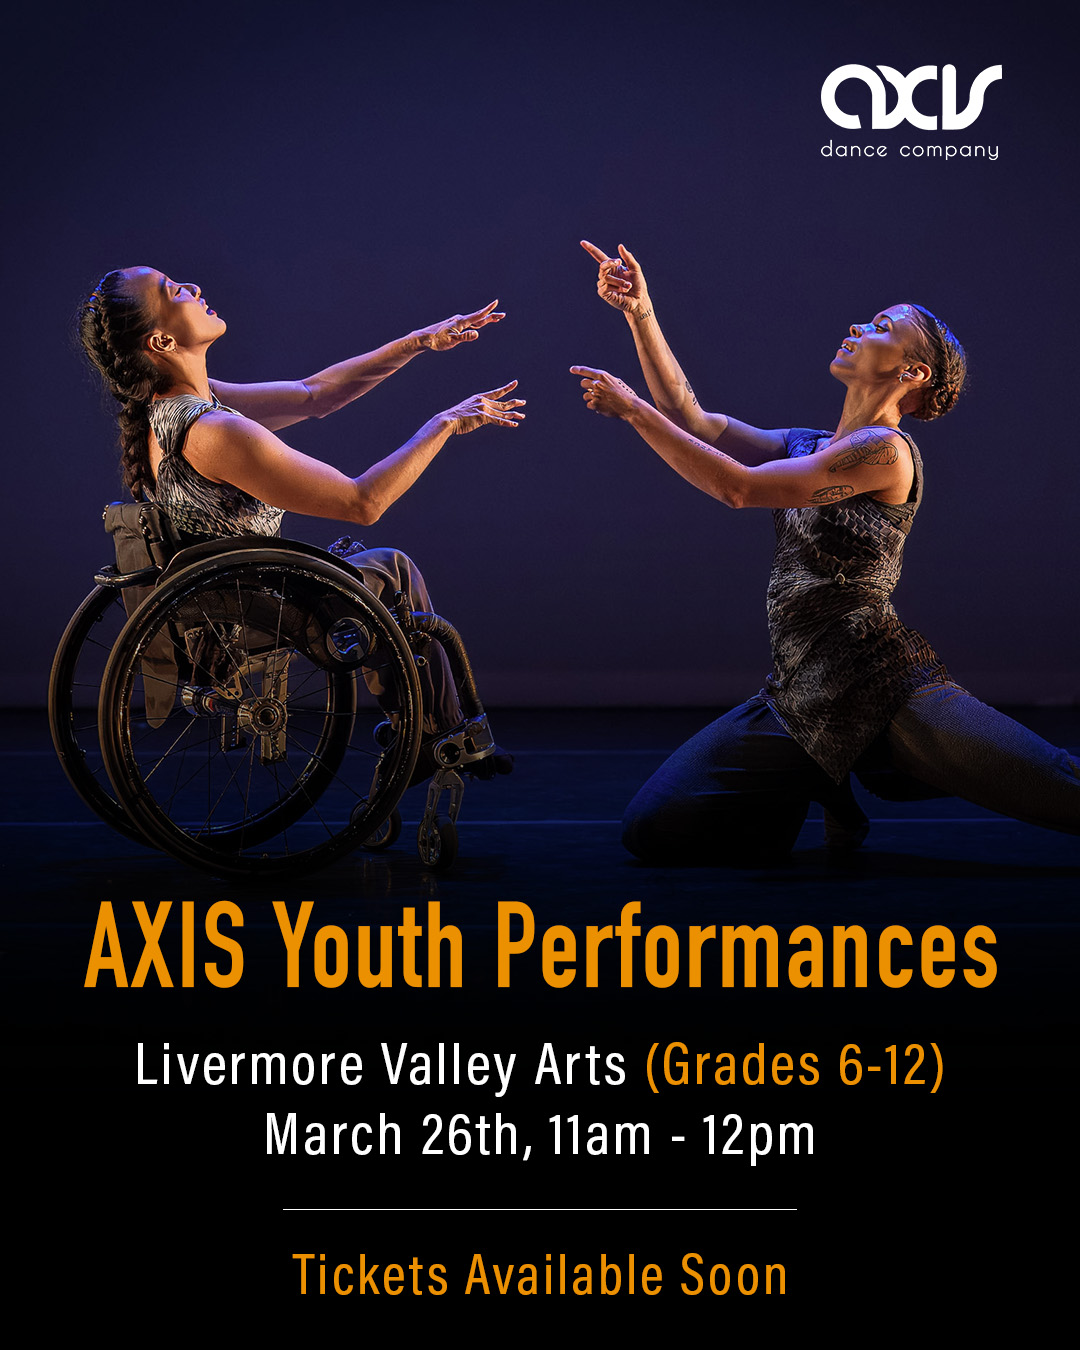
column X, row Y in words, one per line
column 334, row 176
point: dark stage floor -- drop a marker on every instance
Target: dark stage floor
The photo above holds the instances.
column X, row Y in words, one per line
column 551, row 832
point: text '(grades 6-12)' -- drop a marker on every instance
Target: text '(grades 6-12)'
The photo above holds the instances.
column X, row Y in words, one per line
column 164, row 948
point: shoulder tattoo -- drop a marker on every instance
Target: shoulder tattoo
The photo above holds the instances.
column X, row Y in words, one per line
column 867, row 447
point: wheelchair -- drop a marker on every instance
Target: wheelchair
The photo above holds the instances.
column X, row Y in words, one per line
column 258, row 710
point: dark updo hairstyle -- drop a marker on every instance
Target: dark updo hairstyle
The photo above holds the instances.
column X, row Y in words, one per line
column 113, row 326
column 940, row 350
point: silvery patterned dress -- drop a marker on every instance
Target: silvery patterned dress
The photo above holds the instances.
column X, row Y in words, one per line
column 194, row 503
column 843, row 663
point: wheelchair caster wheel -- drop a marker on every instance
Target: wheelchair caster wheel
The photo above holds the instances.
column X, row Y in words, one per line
column 437, row 843
column 387, row 833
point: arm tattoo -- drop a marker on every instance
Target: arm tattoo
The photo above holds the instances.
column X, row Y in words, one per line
column 693, row 396
column 642, row 315
column 867, row 447
column 718, row 454
column 831, row 494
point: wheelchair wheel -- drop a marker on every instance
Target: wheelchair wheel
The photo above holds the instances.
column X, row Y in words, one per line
column 74, row 685
column 236, row 713
column 437, row 844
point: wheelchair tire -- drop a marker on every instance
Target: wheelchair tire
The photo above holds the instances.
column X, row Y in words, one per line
column 74, row 686
column 260, row 762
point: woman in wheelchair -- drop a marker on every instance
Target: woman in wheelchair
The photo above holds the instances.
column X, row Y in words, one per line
column 258, row 645
column 206, row 450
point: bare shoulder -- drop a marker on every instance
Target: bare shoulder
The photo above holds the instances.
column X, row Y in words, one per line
column 219, row 426
column 220, row 438
column 876, row 458
column 869, row 446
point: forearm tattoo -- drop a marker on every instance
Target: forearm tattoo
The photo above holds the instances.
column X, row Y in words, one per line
column 867, row 447
column 716, row 454
column 831, row 494
column 641, row 315
column 693, row 396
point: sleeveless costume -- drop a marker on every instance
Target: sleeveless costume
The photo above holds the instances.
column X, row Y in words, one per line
column 851, row 688
column 194, row 503
column 198, row 506
column 843, row 663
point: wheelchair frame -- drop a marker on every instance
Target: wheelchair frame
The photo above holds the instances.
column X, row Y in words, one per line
column 259, row 711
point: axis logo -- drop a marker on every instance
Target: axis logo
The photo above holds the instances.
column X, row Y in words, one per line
column 904, row 108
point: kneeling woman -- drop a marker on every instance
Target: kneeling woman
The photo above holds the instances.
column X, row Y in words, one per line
column 207, row 451
column 851, row 686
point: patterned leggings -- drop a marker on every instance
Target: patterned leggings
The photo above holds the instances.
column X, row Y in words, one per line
column 739, row 790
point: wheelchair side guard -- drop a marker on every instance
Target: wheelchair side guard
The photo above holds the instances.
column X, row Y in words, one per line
column 236, row 543
column 110, row 575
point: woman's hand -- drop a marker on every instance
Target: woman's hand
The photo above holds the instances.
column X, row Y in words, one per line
column 621, row 282
column 486, row 410
column 452, row 332
column 604, row 393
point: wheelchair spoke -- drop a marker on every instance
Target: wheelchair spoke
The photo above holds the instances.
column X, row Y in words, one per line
column 205, row 828
column 281, row 608
column 348, row 787
column 305, row 680
column 247, row 791
column 311, row 801
column 213, row 754
column 179, row 786
column 367, row 755
column 243, row 624
column 163, row 757
column 101, row 646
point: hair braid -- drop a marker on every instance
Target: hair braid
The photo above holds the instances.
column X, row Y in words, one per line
column 112, row 326
column 947, row 360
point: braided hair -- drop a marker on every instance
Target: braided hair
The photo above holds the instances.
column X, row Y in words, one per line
column 112, row 327
column 939, row 348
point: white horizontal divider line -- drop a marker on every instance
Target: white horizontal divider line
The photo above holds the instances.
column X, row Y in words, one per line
column 539, row 1209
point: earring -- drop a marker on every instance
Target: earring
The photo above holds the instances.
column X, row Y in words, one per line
column 906, row 375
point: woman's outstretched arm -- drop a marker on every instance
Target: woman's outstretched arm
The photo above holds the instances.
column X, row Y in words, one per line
column 241, row 451
column 281, row 403
column 621, row 284
column 873, row 460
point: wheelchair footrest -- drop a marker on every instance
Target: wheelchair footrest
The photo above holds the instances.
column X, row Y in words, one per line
column 464, row 745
